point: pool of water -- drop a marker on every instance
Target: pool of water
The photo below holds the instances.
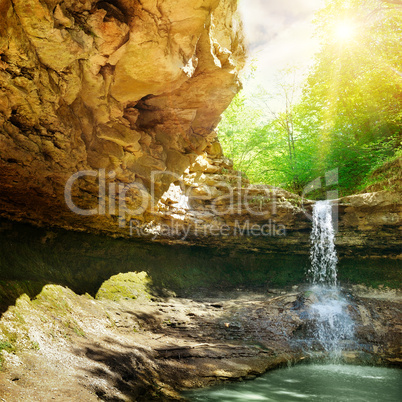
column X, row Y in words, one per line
column 315, row 382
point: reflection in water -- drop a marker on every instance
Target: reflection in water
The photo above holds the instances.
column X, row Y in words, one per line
column 329, row 383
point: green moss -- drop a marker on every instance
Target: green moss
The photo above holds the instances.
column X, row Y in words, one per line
column 53, row 298
column 35, row 345
column 32, row 258
column 7, row 342
column 373, row 272
column 130, row 285
column 73, row 325
column 7, row 335
column 7, row 346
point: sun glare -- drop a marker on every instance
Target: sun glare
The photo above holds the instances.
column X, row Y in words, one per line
column 345, row 30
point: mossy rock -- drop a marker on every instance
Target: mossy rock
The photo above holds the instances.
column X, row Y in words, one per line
column 130, row 285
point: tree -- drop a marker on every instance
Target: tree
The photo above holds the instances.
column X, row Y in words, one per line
column 350, row 114
column 242, row 134
column 355, row 87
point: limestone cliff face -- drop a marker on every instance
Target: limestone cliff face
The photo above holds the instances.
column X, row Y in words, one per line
column 128, row 86
column 371, row 222
column 129, row 92
column 212, row 204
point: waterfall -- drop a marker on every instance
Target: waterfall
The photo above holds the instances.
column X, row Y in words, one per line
column 323, row 254
column 332, row 325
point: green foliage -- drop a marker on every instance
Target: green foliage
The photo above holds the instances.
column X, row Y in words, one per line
column 349, row 116
column 243, row 135
column 385, row 177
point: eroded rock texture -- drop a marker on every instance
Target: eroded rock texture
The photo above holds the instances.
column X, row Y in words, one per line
column 131, row 87
column 129, row 92
column 372, row 223
column 133, row 346
column 213, row 204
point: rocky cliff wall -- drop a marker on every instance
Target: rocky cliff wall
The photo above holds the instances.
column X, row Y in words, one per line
column 128, row 93
column 212, row 204
column 124, row 88
column 33, row 257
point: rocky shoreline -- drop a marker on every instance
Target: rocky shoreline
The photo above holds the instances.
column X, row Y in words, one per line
column 108, row 111
column 128, row 344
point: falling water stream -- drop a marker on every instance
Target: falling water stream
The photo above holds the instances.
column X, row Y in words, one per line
column 332, row 330
column 332, row 326
column 323, row 255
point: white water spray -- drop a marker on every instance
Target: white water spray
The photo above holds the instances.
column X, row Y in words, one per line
column 333, row 326
column 323, row 254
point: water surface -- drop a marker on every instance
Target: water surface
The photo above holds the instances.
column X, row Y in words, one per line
column 330, row 383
